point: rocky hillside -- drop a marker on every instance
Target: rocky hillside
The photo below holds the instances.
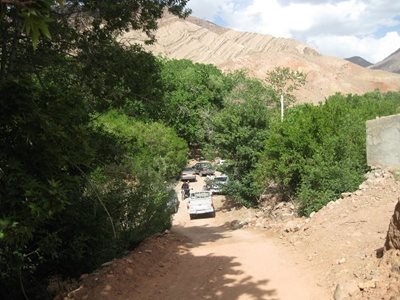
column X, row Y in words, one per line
column 359, row 61
column 390, row 63
column 205, row 42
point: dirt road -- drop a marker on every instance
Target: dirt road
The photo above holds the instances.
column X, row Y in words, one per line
column 235, row 264
column 204, row 259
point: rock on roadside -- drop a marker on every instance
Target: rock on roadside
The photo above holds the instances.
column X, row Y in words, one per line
column 393, row 234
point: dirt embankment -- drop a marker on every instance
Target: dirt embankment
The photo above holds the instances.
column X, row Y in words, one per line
column 250, row 254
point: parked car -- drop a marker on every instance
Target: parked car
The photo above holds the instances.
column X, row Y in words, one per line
column 188, row 174
column 216, row 184
column 204, row 168
column 221, row 162
column 200, row 203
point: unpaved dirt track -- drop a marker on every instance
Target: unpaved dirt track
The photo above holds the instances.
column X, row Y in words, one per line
column 235, row 264
column 203, row 259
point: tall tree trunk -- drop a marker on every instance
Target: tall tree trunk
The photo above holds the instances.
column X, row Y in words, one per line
column 3, row 37
column 13, row 50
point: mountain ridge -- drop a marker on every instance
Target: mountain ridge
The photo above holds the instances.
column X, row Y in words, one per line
column 205, row 42
column 358, row 60
column 390, row 63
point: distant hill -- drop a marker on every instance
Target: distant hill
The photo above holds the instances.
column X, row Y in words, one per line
column 204, row 42
column 359, row 61
column 390, row 63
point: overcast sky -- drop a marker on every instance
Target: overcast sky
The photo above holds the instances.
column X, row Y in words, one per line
column 342, row 28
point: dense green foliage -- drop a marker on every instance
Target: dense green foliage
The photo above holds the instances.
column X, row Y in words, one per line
column 239, row 131
column 318, row 152
column 150, row 146
column 74, row 190
column 193, row 92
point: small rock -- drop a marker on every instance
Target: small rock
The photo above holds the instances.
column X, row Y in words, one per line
column 312, row 214
column 83, row 276
column 279, row 205
column 341, row 261
column 345, row 195
column 236, row 224
column 377, row 174
column 331, row 203
column 107, row 288
column 148, row 251
column 129, row 271
column 259, row 214
column 106, row 264
column 339, row 293
column 260, row 225
column 367, row 285
column 396, row 268
column 292, row 226
column 343, row 291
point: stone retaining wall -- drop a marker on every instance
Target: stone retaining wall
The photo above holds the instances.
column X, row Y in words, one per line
column 383, row 142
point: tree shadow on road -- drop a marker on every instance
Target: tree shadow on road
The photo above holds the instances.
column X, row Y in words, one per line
column 210, row 276
column 183, row 265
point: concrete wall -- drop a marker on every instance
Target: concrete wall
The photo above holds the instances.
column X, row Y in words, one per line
column 383, row 142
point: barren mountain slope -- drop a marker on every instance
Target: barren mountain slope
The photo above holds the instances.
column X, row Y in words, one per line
column 359, row 61
column 205, row 42
column 390, row 63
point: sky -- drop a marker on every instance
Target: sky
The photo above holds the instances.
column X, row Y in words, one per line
column 341, row 28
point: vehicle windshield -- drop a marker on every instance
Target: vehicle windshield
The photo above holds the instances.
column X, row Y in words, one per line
column 201, row 195
column 221, row 179
column 204, row 165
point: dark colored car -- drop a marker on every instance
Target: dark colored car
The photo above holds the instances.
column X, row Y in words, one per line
column 188, row 174
column 204, row 168
column 216, row 184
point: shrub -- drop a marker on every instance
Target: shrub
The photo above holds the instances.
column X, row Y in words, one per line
column 318, row 152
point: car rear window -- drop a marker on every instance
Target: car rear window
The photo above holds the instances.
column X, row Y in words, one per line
column 201, row 195
column 221, row 179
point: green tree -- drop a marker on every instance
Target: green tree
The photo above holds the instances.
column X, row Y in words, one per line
column 192, row 92
column 75, row 27
column 65, row 185
column 151, row 146
column 239, row 131
column 318, row 152
column 284, row 82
